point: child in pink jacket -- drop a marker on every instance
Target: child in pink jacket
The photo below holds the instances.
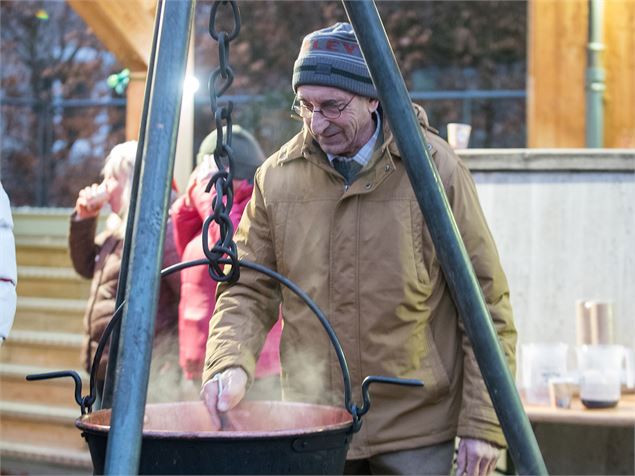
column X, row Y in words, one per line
column 198, row 290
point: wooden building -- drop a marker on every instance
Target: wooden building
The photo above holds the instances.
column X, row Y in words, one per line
column 557, row 62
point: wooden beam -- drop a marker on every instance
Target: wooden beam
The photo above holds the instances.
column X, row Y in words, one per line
column 556, row 73
column 619, row 61
column 134, row 103
column 124, row 27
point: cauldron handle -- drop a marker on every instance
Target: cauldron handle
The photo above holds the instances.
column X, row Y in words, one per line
column 355, row 411
column 377, row 379
column 85, row 403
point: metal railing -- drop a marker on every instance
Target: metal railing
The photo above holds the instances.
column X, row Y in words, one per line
column 40, row 137
column 466, row 96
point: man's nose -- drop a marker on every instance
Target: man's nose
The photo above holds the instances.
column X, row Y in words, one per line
column 318, row 122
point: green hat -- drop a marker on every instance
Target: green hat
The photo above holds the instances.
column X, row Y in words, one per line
column 247, row 152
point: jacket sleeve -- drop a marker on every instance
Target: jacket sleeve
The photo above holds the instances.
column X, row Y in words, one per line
column 170, row 257
column 8, row 269
column 477, row 418
column 185, row 221
column 202, row 200
column 81, row 243
column 245, row 311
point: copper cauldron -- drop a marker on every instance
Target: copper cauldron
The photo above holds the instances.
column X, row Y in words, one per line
column 258, row 437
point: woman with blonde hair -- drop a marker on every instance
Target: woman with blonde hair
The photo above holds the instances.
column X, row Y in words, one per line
column 98, row 257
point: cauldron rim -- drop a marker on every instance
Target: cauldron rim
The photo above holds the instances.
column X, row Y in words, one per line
column 83, row 423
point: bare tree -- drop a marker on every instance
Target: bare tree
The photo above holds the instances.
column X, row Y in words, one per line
column 439, row 45
column 49, row 56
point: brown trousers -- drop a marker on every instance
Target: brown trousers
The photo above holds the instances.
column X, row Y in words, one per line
column 429, row 460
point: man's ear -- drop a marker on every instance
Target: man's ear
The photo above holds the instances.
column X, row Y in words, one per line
column 373, row 104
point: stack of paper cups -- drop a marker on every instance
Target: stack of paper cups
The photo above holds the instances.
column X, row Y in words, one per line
column 602, row 323
column 583, row 322
column 594, row 322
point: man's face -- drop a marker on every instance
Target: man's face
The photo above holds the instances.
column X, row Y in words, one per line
column 347, row 134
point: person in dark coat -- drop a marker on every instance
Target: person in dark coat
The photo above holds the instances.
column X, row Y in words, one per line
column 98, row 257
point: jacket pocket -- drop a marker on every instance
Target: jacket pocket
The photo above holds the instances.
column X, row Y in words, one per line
column 417, row 359
column 421, row 263
column 300, row 234
column 436, row 382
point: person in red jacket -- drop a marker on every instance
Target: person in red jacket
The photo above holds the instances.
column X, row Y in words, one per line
column 198, row 290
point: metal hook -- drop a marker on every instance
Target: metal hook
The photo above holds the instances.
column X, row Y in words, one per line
column 360, row 411
column 85, row 403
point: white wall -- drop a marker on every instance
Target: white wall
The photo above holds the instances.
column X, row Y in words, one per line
column 563, row 235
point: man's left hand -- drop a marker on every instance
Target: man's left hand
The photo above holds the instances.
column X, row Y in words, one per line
column 476, row 457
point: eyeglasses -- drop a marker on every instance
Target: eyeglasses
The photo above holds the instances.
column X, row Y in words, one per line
column 330, row 109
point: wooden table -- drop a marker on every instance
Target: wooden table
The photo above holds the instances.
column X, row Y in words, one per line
column 621, row 415
column 582, row 441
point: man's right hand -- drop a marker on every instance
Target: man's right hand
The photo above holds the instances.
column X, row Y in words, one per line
column 224, row 391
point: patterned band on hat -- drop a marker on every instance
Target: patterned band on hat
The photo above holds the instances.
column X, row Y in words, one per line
column 320, row 69
column 332, row 57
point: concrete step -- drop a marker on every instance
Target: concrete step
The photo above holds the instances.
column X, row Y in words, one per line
column 53, row 350
column 59, row 392
column 42, row 251
column 46, row 221
column 50, row 282
column 25, row 458
column 37, row 222
column 41, row 425
column 50, row 314
column 37, row 419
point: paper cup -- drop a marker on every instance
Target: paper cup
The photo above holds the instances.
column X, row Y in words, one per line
column 560, row 392
column 459, row 135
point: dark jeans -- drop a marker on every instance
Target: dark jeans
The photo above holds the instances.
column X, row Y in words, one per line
column 429, row 460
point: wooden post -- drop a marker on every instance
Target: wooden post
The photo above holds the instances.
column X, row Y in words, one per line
column 184, row 152
column 556, row 73
column 619, row 61
column 134, row 108
column 557, row 61
column 185, row 142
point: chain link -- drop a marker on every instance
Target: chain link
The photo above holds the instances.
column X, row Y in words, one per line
column 219, row 82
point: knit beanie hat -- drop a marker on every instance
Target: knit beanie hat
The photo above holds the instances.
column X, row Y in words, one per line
column 332, row 57
column 247, row 152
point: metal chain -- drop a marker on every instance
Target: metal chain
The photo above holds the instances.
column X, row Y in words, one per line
column 219, row 81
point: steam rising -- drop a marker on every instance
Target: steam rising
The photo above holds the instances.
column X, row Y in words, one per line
column 166, row 380
column 306, row 377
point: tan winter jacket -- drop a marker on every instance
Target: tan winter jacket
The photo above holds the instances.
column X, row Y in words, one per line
column 366, row 257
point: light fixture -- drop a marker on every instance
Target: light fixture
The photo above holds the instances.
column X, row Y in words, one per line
column 190, row 85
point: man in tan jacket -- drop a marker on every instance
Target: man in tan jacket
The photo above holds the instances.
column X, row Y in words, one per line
column 334, row 211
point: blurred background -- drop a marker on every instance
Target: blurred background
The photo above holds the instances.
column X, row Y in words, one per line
column 547, row 86
column 464, row 61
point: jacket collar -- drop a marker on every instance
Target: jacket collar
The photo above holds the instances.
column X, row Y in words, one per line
column 304, row 145
column 422, row 118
